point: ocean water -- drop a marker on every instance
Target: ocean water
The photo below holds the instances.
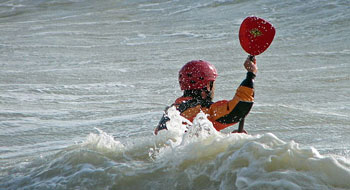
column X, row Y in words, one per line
column 83, row 83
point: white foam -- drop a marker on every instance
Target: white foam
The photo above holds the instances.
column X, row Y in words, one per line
column 103, row 142
column 248, row 162
column 196, row 150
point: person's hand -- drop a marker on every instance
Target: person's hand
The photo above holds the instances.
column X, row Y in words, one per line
column 156, row 131
column 251, row 65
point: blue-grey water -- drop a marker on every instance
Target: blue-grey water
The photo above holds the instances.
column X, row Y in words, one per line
column 83, row 83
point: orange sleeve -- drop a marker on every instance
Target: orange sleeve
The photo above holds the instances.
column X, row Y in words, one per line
column 223, row 108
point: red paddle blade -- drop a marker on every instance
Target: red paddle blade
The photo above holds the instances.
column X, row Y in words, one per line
column 256, row 35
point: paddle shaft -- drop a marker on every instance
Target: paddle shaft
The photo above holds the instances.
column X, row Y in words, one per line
column 251, row 57
column 241, row 125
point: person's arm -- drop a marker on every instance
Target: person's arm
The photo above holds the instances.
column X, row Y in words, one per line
column 249, row 80
column 251, row 67
column 226, row 113
column 162, row 123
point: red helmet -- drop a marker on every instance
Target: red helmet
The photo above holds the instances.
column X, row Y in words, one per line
column 196, row 74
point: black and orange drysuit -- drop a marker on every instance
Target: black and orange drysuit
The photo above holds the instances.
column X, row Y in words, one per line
column 222, row 113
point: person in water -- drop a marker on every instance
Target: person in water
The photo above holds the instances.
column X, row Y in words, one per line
column 197, row 80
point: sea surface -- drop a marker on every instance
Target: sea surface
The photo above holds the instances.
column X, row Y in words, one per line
column 83, row 83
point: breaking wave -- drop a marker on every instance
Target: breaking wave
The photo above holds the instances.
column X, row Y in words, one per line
column 200, row 158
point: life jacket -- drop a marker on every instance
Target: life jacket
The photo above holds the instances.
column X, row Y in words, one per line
column 223, row 113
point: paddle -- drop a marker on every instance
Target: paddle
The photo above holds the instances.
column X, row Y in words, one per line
column 255, row 36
